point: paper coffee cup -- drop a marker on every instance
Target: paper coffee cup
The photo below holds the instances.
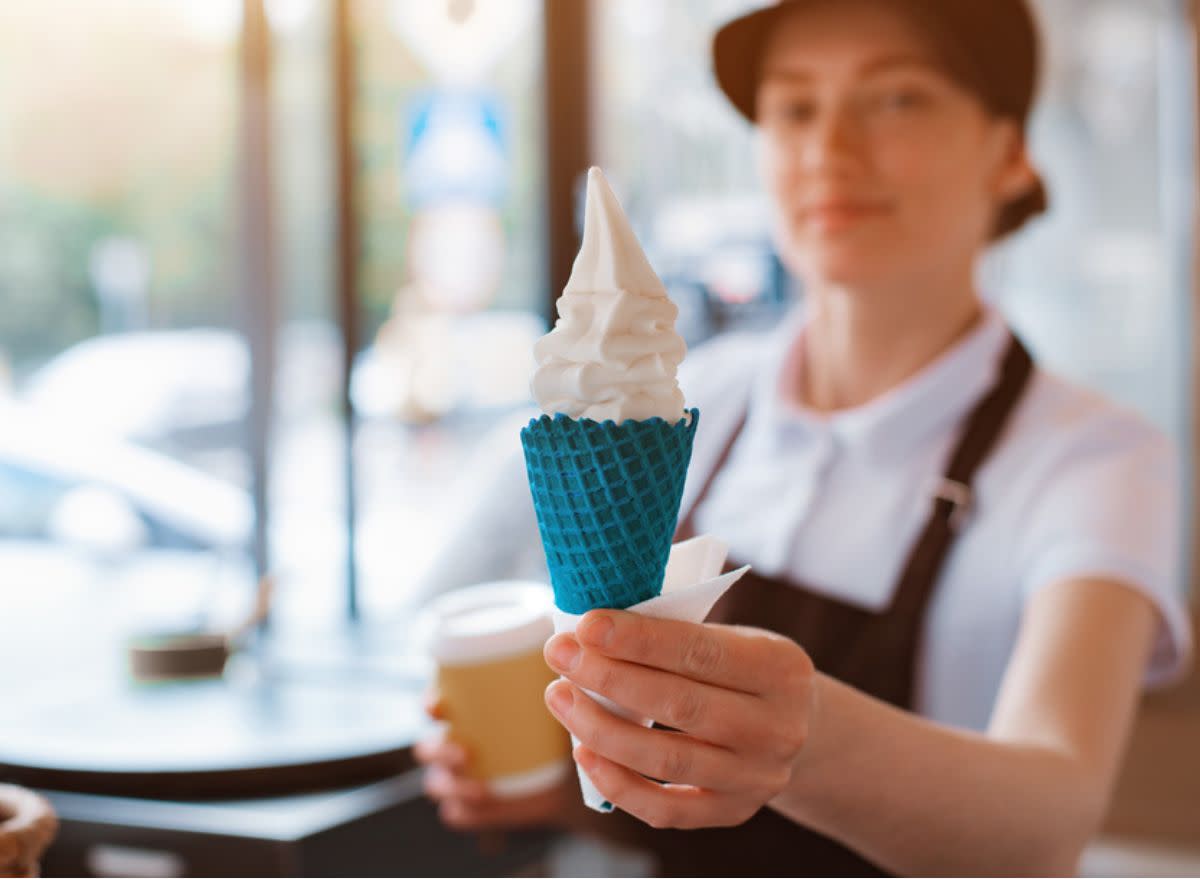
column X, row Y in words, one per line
column 487, row 643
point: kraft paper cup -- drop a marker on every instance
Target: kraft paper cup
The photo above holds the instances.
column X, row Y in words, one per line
column 487, row 643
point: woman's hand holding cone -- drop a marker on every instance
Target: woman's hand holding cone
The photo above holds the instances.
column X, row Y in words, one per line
column 738, row 701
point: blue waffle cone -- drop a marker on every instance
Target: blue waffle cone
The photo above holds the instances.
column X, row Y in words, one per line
column 607, row 499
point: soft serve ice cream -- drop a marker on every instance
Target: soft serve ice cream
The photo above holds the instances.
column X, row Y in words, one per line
column 613, row 352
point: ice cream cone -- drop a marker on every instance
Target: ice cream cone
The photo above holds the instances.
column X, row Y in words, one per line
column 607, row 498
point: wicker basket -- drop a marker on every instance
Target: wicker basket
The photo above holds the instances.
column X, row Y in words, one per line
column 27, row 826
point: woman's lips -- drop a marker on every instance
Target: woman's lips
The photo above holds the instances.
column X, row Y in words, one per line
column 835, row 214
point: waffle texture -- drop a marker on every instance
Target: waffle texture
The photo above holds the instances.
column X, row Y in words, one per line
column 607, row 500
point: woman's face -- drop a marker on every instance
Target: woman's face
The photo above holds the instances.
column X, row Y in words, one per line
column 881, row 168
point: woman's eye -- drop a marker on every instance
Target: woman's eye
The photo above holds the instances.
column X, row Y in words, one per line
column 899, row 99
column 788, row 107
column 797, row 110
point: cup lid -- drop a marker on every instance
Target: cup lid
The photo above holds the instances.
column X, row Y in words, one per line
column 490, row 620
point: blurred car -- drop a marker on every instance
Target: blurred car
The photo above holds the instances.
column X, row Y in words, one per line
column 60, row 482
column 147, row 385
column 98, row 535
column 78, row 508
column 181, row 390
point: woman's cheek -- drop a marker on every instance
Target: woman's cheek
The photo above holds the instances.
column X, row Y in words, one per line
column 777, row 174
column 940, row 190
column 948, row 213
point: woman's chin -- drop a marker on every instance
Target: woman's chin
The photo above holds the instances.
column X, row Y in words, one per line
column 847, row 267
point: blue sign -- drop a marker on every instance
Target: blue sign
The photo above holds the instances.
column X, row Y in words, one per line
column 454, row 146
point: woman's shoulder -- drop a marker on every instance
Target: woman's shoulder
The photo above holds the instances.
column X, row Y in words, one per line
column 1067, row 418
column 1079, row 450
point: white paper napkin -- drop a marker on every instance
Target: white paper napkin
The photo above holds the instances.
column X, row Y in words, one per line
column 691, row 586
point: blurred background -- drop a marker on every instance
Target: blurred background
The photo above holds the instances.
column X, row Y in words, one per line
column 270, row 275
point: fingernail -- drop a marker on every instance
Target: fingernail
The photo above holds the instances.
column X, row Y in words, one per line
column 596, row 630
column 564, row 654
column 561, row 699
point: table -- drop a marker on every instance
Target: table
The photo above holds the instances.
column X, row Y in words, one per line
column 296, row 762
column 271, row 725
column 386, row 828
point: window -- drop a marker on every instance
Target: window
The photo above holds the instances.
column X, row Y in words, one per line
column 122, row 468
column 1101, row 286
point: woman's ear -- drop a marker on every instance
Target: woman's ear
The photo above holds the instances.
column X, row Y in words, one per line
column 1014, row 176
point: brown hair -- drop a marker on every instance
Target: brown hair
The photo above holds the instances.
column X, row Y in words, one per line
column 1020, row 210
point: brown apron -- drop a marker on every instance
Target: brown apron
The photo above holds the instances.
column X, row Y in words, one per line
column 875, row 652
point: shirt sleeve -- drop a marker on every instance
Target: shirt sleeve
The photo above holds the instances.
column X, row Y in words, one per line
column 1111, row 509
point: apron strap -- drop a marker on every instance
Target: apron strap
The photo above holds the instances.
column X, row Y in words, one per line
column 953, row 494
column 687, row 525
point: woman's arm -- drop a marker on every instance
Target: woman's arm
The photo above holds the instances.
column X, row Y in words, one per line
column 1025, row 798
column 759, row 727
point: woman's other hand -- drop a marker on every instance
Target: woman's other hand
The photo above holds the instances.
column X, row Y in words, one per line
column 466, row 803
column 738, row 701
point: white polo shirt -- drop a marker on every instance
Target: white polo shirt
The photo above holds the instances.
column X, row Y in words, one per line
column 1076, row 486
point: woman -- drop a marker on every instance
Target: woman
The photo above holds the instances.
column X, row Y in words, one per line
column 963, row 564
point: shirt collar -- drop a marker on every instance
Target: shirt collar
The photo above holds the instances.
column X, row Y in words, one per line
column 896, row 423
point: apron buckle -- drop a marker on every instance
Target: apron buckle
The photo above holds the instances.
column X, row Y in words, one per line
column 958, row 495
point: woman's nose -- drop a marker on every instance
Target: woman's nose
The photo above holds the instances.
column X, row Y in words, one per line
column 832, row 140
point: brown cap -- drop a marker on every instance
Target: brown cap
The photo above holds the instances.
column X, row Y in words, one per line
column 990, row 47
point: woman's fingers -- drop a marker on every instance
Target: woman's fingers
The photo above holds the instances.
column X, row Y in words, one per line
column 659, row 805
column 467, row 803
column 461, row 815
column 659, row 754
column 444, row 785
column 434, row 705
column 495, row 812
column 707, row 712
column 440, row 751
column 747, row 660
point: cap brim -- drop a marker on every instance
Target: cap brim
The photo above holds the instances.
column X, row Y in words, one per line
column 736, row 52
column 737, row 47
